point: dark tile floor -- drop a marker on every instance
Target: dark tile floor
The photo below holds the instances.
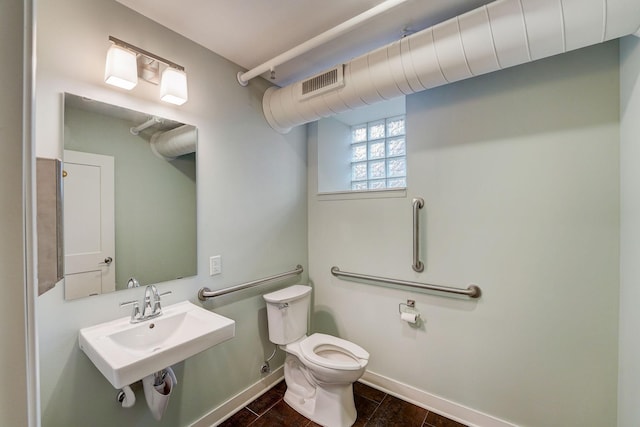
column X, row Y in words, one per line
column 375, row 409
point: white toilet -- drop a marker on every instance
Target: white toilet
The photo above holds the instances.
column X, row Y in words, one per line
column 320, row 369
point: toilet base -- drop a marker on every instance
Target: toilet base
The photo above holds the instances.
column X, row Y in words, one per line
column 331, row 406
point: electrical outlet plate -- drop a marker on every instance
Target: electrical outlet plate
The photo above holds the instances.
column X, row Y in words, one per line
column 215, row 265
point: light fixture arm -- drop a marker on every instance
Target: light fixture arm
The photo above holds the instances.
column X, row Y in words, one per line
column 140, row 51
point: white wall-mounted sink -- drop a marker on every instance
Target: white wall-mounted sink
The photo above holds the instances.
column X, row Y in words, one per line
column 126, row 352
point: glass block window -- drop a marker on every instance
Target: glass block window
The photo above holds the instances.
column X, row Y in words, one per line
column 379, row 155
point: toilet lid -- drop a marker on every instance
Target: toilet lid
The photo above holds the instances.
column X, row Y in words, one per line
column 349, row 355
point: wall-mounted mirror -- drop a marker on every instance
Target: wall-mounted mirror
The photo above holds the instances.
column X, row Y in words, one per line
column 129, row 189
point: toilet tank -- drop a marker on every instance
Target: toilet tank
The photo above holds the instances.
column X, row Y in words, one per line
column 287, row 313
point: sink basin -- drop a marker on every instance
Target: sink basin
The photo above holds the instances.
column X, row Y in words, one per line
column 126, row 352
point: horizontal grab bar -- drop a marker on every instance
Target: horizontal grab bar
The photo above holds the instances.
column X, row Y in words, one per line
column 472, row 291
column 205, row 293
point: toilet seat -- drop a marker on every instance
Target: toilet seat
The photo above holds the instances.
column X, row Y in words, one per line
column 350, row 357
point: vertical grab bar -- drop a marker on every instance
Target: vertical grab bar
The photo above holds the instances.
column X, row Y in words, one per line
column 418, row 203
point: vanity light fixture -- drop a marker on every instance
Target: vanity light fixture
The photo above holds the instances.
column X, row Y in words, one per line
column 126, row 63
column 173, row 86
column 121, row 69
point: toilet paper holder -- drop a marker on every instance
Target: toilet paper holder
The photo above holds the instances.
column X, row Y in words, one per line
column 408, row 312
column 410, row 304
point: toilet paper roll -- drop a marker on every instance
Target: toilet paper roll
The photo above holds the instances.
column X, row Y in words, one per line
column 129, row 398
column 409, row 317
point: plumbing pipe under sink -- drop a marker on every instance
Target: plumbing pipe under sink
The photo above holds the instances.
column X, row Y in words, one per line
column 157, row 391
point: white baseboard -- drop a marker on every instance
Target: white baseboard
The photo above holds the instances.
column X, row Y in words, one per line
column 240, row 400
column 431, row 402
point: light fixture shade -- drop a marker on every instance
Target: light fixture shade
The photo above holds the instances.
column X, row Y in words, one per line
column 173, row 86
column 121, row 69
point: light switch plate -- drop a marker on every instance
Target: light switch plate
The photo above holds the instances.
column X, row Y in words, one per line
column 215, row 265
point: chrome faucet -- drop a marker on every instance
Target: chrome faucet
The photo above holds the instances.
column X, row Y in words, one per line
column 135, row 314
column 148, row 312
column 132, row 283
column 151, row 309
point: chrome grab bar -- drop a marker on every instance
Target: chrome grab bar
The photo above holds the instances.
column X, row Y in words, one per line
column 473, row 291
column 205, row 293
column 418, row 203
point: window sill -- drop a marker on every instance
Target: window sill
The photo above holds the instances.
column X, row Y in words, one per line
column 364, row 194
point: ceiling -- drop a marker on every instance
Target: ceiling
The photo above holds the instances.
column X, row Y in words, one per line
column 250, row 32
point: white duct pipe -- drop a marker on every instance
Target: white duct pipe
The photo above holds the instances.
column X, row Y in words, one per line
column 175, row 142
column 499, row 35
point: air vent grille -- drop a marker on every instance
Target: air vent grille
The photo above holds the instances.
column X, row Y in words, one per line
column 322, row 83
column 318, row 82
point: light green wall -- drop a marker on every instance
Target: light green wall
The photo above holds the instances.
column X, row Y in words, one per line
column 251, row 211
column 334, row 154
column 519, row 170
column 155, row 199
column 629, row 372
column 13, row 312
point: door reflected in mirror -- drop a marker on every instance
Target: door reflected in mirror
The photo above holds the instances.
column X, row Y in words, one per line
column 129, row 188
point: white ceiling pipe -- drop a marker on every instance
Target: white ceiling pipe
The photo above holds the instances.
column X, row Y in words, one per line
column 151, row 122
column 319, row 40
column 498, row 35
column 175, row 142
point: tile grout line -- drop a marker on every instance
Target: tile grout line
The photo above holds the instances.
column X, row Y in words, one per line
column 374, row 411
column 424, row 422
column 252, row 422
column 258, row 416
column 249, row 409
